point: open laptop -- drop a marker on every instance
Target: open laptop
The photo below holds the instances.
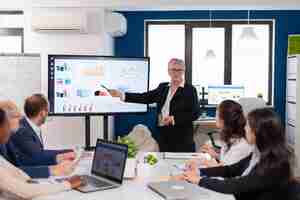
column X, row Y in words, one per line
column 107, row 167
column 179, row 190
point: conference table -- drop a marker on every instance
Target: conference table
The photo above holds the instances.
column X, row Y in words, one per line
column 136, row 188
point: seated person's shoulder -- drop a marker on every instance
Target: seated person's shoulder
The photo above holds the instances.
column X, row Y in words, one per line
column 22, row 131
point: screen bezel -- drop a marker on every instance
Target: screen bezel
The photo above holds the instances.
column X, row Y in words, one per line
column 51, row 83
column 101, row 141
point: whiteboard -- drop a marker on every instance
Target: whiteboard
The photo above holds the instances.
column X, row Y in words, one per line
column 20, row 76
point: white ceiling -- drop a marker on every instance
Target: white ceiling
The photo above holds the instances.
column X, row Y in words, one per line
column 157, row 4
column 176, row 4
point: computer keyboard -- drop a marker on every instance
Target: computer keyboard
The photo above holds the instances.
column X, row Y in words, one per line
column 95, row 182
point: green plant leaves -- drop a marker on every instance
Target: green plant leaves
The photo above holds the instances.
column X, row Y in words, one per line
column 132, row 147
column 151, row 159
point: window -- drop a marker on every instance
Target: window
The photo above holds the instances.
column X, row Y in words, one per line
column 214, row 55
column 11, row 32
column 10, row 43
column 165, row 42
column 250, row 60
column 208, row 71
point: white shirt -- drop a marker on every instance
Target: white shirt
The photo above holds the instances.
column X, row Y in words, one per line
column 255, row 158
column 165, row 110
column 239, row 150
column 35, row 128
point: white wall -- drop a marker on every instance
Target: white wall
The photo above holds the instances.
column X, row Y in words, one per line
column 66, row 131
column 69, row 131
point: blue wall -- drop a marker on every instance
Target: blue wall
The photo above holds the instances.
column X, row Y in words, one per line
column 132, row 44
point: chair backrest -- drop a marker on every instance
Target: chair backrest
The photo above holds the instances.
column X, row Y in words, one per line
column 142, row 137
column 251, row 103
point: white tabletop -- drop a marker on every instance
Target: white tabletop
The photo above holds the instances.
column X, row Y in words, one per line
column 136, row 188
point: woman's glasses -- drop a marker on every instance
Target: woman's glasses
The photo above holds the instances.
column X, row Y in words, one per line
column 177, row 70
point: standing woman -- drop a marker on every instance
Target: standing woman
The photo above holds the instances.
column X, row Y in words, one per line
column 266, row 174
column 177, row 107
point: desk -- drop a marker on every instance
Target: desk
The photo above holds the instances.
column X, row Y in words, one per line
column 137, row 188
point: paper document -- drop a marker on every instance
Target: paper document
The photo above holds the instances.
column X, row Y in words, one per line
column 170, row 155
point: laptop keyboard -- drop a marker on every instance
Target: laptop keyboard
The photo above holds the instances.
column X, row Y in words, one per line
column 95, row 182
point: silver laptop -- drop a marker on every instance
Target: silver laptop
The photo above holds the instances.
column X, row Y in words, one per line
column 171, row 190
column 107, row 168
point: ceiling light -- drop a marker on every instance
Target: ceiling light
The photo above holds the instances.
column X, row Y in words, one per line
column 210, row 54
column 248, row 32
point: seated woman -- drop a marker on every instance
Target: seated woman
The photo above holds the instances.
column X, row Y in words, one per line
column 265, row 174
column 15, row 184
column 234, row 147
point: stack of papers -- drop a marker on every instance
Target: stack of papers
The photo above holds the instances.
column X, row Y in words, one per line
column 185, row 156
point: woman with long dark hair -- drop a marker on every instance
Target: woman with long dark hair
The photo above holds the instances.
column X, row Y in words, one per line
column 265, row 174
column 234, row 147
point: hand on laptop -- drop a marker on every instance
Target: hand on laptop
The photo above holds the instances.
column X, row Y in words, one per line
column 65, row 156
column 192, row 164
column 201, row 163
column 63, row 169
column 76, row 181
column 192, row 177
column 177, row 178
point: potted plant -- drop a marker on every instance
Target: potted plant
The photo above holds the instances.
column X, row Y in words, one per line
column 131, row 162
column 151, row 159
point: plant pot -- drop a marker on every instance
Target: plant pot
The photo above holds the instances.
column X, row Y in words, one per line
column 144, row 170
column 130, row 168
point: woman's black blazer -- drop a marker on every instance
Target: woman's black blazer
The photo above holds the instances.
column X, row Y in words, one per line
column 250, row 187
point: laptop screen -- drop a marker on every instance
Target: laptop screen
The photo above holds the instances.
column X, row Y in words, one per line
column 109, row 160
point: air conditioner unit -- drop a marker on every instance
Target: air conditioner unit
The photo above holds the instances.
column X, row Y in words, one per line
column 70, row 21
column 115, row 24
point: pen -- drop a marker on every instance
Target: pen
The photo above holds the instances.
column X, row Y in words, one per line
column 32, row 181
column 105, row 87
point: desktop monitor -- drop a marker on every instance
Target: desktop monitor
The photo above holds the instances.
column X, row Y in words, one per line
column 78, row 85
column 217, row 94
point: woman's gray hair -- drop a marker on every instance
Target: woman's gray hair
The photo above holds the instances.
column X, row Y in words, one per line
column 176, row 61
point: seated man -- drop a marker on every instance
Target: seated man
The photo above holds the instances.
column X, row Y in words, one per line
column 36, row 165
column 15, row 184
column 28, row 138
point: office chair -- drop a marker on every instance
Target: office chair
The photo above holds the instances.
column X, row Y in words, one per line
column 251, row 103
